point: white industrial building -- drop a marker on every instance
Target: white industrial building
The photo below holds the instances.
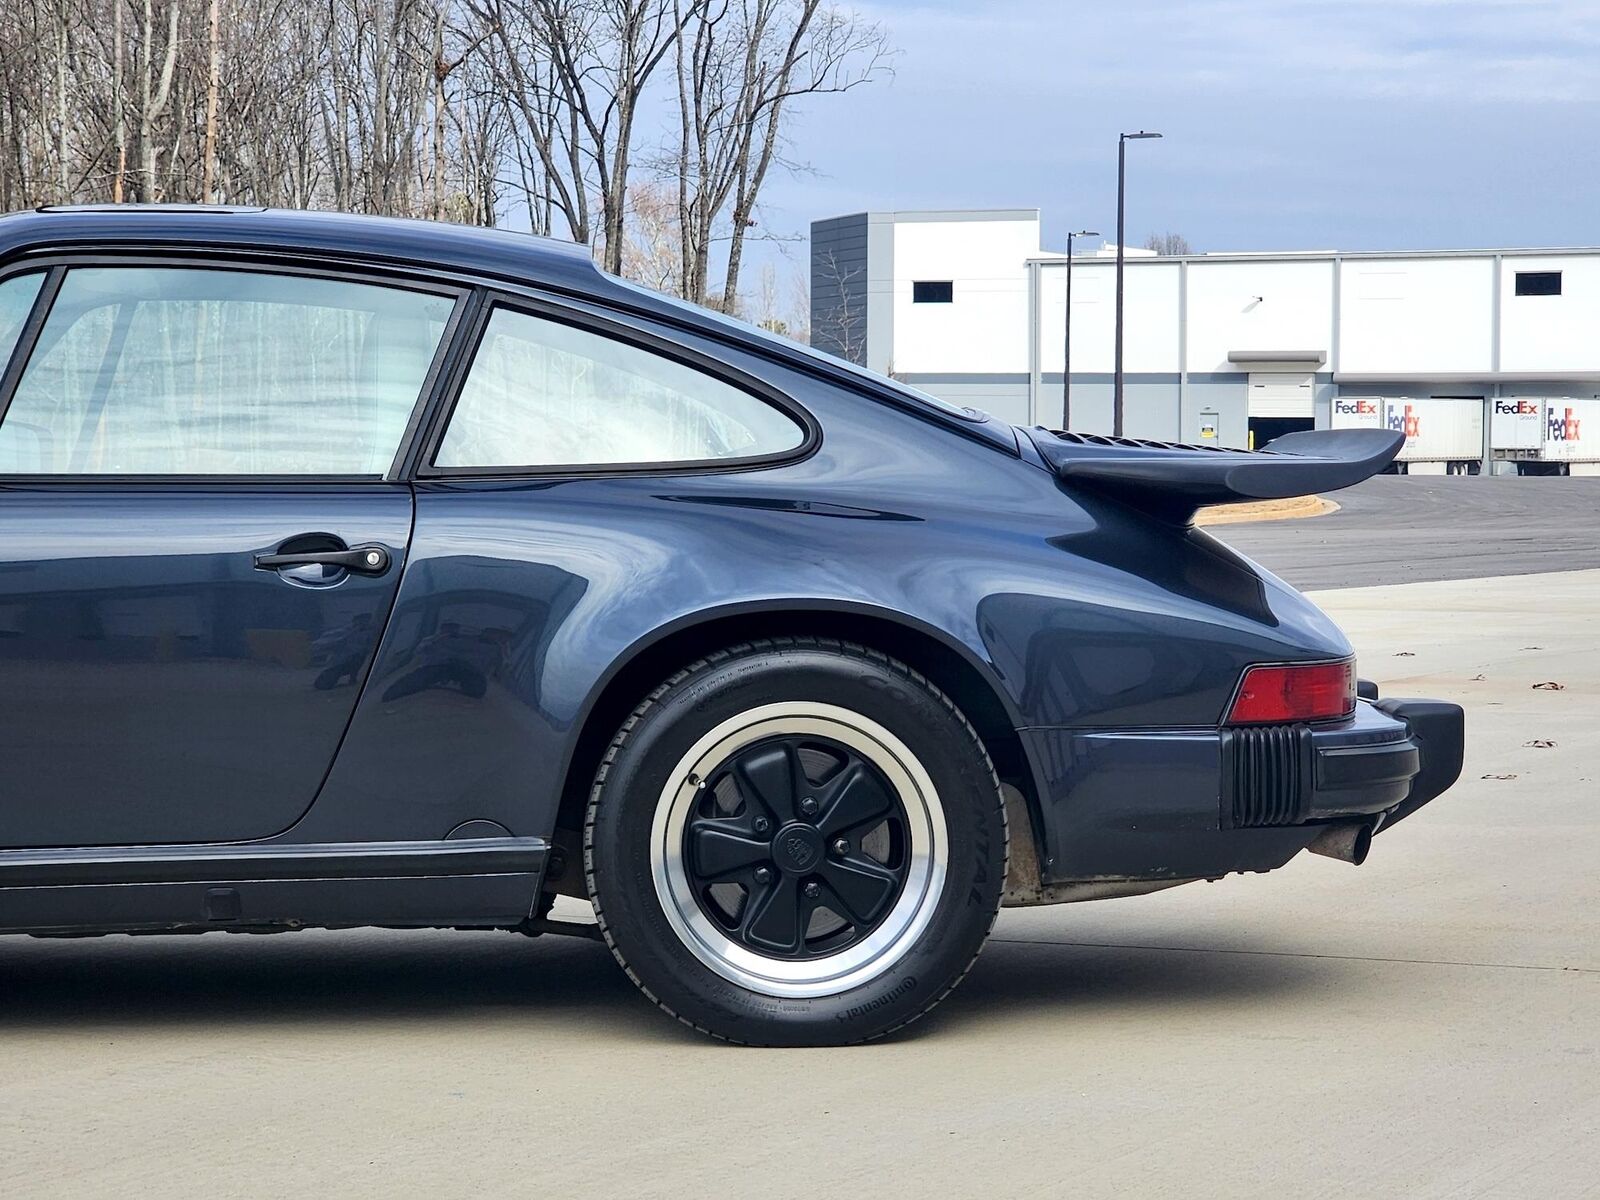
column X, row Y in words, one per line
column 1228, row 348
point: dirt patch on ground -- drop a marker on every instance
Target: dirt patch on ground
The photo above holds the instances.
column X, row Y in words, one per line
column 1265, row 510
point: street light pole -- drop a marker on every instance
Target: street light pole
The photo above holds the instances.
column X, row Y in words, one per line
column 1066, row 347
column 1122, row 182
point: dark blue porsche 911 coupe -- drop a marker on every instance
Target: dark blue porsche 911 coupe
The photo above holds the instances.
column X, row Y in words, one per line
column 371, row 572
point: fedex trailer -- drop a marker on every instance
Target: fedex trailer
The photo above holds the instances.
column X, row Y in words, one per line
column 1546, row 435
column 1516, row 430
column 1444, row 435
column 1572, row 435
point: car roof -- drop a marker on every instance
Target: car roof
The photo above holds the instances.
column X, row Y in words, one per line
column 517, row 258
column 466, row 248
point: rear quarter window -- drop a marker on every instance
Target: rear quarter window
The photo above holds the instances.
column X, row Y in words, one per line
column 544, row 394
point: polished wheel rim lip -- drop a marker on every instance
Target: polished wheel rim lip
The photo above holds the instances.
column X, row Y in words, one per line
column 927, row 850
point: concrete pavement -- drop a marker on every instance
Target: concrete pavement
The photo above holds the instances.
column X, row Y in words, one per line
column 1408, row 528
column 1425, row 1025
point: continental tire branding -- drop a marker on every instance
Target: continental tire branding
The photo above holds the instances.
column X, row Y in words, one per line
column 889, row 997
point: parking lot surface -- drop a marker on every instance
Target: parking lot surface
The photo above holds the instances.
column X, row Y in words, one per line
column 1425, row 1025
column 1408, row 528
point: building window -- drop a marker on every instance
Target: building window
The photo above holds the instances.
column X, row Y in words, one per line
column 1538, row 283
column 933, row 291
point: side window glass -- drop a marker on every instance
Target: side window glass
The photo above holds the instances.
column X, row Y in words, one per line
column 16, row 301
column 17, row 295
column 203, row 371
column 541, row 393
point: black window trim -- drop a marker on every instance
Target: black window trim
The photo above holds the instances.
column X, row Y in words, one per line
column 424, row 468
column 56, row 265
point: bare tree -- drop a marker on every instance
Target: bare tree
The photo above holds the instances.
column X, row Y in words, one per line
column 550, row 158
column 482, row 125
column 1168, row 243
column 770, row 310
column 213, row 89
column 118, row 102
column 839, row 308
column 652, row 246
column 467, row 110
column 155, row 91
column 800, row 307
column 580, row 111
column 741, row 64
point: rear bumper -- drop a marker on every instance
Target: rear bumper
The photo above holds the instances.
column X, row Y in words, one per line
column 1190, row 804
column 1439, row 730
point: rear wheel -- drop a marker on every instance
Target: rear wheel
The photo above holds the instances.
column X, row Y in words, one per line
column 796, row 842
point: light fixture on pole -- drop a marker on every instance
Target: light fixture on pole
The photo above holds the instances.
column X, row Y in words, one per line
column 1122, row 180
column 1066, row 345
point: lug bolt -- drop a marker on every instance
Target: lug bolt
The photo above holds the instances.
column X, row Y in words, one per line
column 762, row 825
column 808, row 806
column 812, row 891
column 763, row 875
column 841, row 847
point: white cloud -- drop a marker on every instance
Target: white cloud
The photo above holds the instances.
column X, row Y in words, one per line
column 1518, row 51
column 1350, row 123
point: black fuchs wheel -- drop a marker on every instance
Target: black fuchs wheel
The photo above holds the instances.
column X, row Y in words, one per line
column 796, row 842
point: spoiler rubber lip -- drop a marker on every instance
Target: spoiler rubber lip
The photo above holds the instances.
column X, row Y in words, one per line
column 1174, row 479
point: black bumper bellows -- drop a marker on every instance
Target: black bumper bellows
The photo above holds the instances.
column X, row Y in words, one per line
column 1276, row 775
column 1271, row 775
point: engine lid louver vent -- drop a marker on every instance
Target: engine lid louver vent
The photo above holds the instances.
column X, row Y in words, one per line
column 1127, row 443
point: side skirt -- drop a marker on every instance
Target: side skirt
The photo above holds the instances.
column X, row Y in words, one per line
column 105, row 889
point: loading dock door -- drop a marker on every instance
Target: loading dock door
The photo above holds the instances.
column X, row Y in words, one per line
column 1282, row 394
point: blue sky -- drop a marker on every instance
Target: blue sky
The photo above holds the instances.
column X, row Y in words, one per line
column 1290, row 124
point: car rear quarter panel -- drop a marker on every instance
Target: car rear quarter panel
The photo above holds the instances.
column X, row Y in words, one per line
column 522, row 598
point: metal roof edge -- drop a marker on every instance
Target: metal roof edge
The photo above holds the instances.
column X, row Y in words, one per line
column 1079, row 260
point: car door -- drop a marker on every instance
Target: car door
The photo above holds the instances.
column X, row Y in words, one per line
column 200, row 538
column 572, row 448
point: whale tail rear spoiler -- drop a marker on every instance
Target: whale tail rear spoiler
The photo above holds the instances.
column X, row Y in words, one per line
column 1173, row 479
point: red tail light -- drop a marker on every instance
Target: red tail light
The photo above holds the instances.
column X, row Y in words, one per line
column 1271, row 695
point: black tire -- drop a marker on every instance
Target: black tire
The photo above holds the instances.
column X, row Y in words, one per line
column 802, row 675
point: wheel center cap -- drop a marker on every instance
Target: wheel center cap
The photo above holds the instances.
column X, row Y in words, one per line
column 798, row 848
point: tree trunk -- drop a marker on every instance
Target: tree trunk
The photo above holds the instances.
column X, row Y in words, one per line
column 440, row 71
column 153, row 95
column 118, row 105
column 208, row 178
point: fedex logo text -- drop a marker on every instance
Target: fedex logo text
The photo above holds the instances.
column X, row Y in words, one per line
column 1562, row 426
column 1408, row 421
column 1356, row 408
column 1515, row 408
